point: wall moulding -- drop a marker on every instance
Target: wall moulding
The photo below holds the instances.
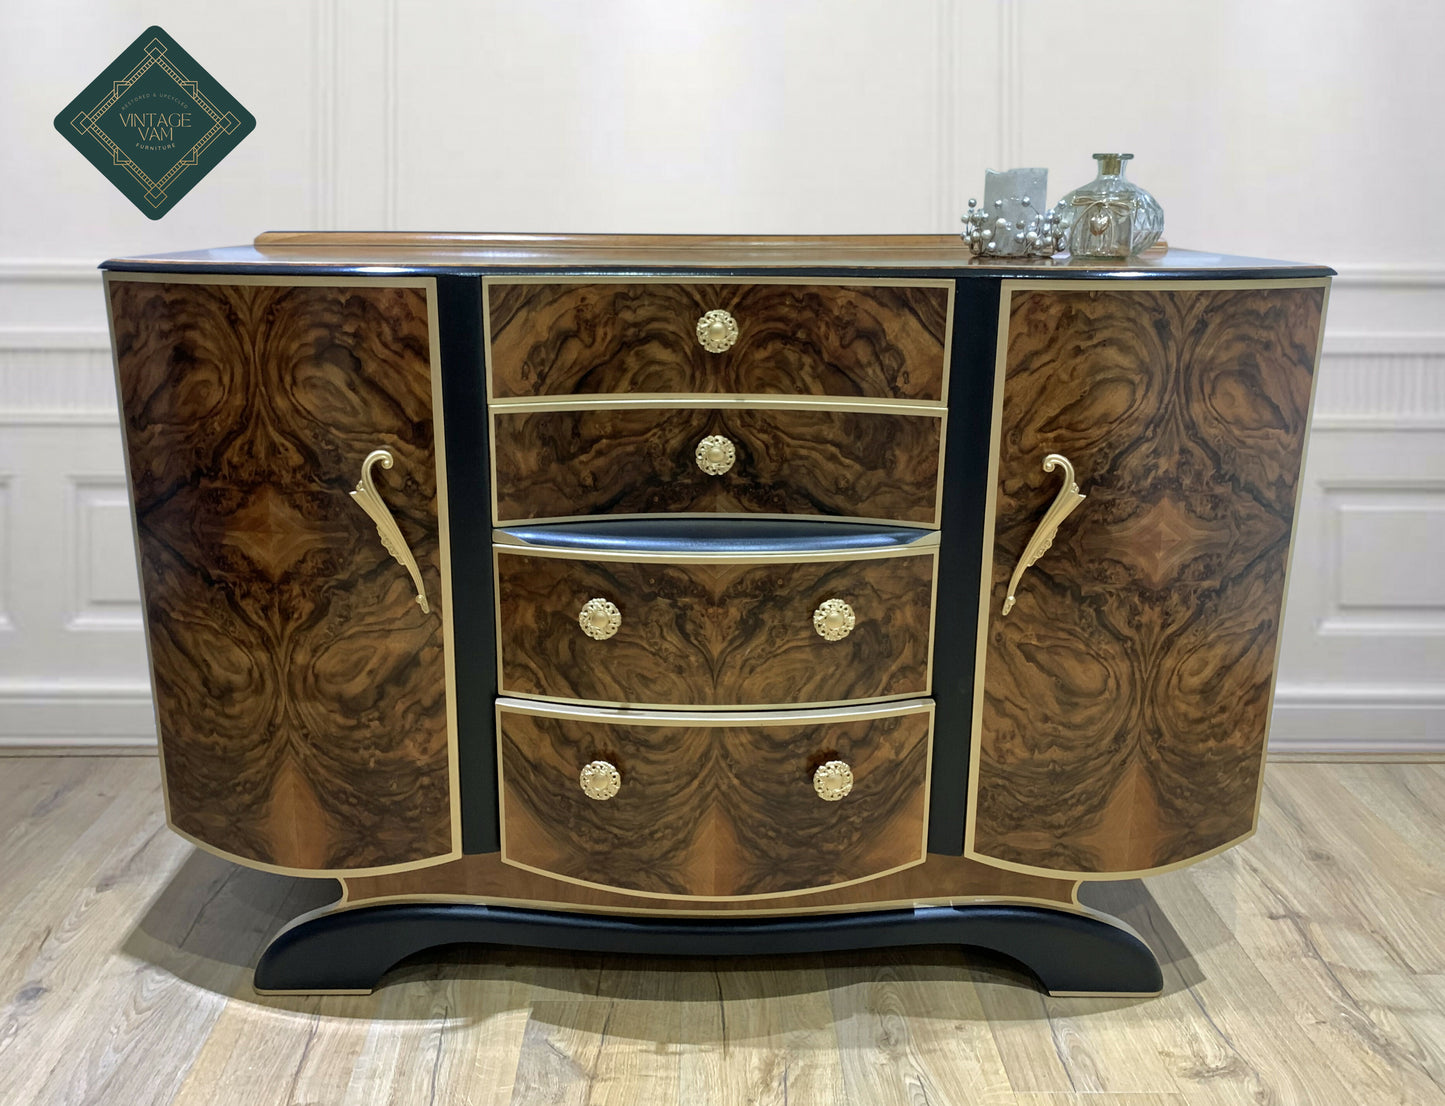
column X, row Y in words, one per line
column 59, row 385
column 65, row 714
column 1365, row 719
column 1387, row 274
column 1395, row 384
column 14, row 270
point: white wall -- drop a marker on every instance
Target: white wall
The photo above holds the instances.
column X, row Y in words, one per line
column 1304, row 130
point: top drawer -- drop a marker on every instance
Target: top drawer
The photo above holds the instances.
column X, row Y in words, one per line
column 877, row 339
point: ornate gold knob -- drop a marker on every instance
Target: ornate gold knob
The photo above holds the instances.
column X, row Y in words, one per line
column 715, row 455
column 833, row 780
column 833, row 620
column 600, row 780
column 599, row 619
column 717, row 331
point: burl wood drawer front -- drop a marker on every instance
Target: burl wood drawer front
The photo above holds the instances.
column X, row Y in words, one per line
column 713, row 806
column 700, row 633
column 877, row 339
column 625, row 460
column 301, row 691
column 1126, row 696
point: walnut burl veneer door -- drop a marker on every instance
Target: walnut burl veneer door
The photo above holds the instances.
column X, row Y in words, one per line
column 714, row 805
column 1126, row 695
column 301, row 690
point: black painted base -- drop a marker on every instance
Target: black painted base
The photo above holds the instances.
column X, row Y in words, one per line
column 350, row 950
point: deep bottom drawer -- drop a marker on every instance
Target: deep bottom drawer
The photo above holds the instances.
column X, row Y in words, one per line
column 714, row 805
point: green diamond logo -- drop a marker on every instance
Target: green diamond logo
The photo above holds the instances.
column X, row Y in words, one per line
column 155, row 122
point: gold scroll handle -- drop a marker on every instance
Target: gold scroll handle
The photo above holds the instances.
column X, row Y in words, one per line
column 1064, row 503
column 386, row 528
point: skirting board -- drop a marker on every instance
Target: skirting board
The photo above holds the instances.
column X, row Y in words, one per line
column 76, row 747
column 78, row 718
column 1362, row 719
column 74, row 717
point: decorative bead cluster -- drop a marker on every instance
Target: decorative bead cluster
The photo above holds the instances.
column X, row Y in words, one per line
column 993, row 235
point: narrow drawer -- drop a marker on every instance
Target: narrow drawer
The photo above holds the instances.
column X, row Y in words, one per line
column 640, row 460
column 714, row 805
column 877, row 339
column 710, row 632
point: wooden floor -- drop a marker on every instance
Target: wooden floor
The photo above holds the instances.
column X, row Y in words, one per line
column 1307, row 966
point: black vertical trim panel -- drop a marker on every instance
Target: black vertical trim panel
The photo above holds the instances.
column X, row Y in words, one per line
column 469, row 503
column 965, row 499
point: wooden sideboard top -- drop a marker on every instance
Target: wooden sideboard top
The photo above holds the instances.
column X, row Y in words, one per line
column 397, row 251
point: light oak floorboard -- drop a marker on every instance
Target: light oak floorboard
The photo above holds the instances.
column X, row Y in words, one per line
column 1305, row 967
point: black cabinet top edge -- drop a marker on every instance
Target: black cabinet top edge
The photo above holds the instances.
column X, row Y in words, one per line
column 811, row 258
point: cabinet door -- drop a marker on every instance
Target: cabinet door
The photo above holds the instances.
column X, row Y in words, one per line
column 1126, row 696
column 301, row 690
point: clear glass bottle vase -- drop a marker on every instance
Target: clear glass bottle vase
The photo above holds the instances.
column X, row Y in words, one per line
column 1111, row 217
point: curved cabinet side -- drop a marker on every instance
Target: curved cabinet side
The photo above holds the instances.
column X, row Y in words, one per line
column 1125, row 699
column 301, row 693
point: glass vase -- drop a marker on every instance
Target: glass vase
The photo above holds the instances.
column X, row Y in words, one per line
column 1111, row 217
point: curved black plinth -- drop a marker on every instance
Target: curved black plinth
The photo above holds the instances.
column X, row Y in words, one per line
column 351, row 949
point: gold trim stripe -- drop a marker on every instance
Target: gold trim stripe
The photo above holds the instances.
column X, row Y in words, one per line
column 703, row 910
column 867, row 520
column 705, row 718
column 635, row 401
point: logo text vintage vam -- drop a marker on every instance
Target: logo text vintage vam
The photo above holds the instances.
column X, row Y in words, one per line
column 154, row 122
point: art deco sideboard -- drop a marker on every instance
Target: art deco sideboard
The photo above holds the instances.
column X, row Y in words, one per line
column 710, row 595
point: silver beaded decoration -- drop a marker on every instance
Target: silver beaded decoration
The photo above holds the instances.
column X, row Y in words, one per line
column 1010, row 223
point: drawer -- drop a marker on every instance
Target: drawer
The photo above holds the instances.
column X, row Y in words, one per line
column 621, row 459
column 714, row 632
column 879, row 339
column 713, row 805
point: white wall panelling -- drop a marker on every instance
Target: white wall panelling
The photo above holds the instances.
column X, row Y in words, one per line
column 72, row 664
column 104, row 591
column 6, row 625
column 1398, row 528
column 1255, row 124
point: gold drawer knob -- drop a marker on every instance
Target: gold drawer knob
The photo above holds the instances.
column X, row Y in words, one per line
column 599, row 619
column 600, row 780
column 833, row 780
column 833, row 620
column 717, row 331
column 715, row 454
